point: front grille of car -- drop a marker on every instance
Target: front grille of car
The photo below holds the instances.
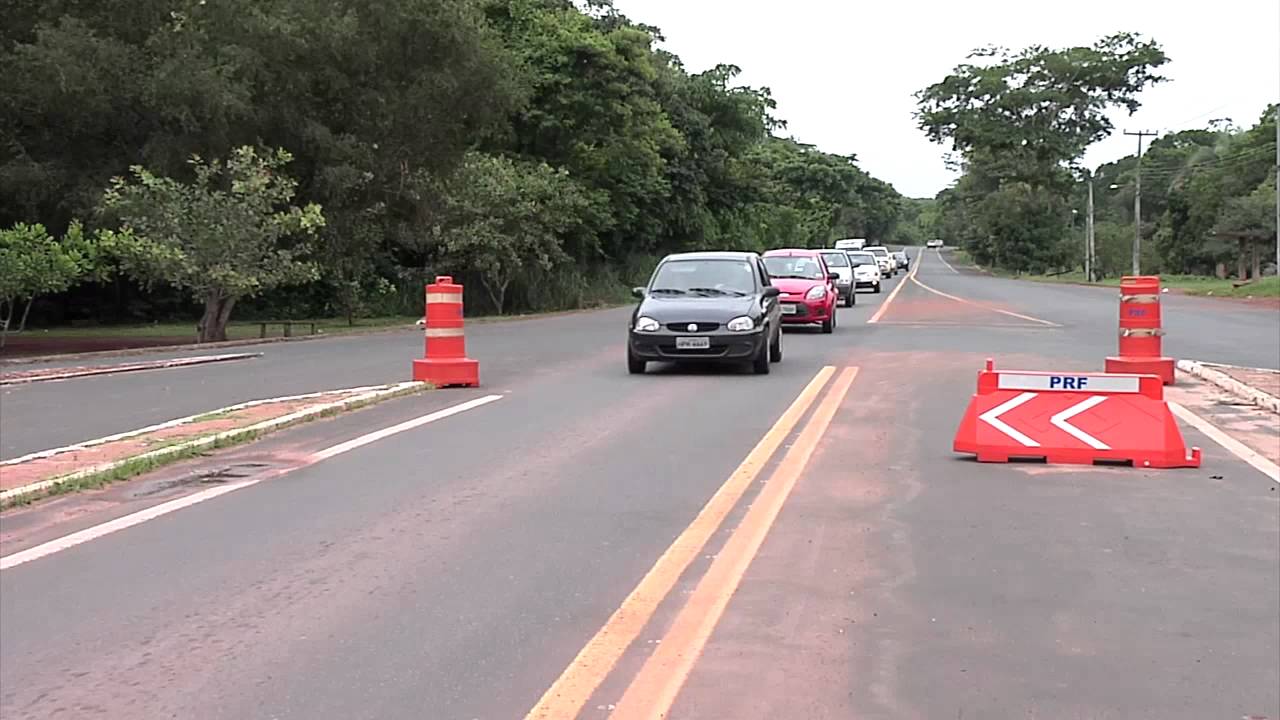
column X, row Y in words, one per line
column 700, row 327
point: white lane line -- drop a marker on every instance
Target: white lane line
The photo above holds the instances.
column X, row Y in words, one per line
column 151, row 513
column 1010, row 313
column 1235, row 447
column 884, row 307
column 944, row 261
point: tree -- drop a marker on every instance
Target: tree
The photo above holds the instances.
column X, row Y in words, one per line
column 228, row 234
column 34, row 263
column 501, row 216
column 1019, row 121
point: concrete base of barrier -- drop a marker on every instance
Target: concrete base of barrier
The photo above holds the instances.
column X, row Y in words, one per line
column 450, row 372
column 1161, row 367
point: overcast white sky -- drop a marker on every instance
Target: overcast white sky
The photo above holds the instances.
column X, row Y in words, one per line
column 843, row 73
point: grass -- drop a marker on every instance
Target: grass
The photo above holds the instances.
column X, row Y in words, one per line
column 135, row 466
column 1190, row 284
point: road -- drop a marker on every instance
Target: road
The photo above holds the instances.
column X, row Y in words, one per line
column 456, row 570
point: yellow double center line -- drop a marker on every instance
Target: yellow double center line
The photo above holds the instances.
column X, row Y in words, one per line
column 655, row 688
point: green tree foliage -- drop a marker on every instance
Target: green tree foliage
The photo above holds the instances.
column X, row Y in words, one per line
column 1208, row 199
column 386, row 106
column 503, row 217
column 34, row 263
column 1019, row 122
column 229, row 234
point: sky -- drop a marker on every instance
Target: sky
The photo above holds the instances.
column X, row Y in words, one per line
column 843, row 72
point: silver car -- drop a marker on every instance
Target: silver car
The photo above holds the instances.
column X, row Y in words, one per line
column 903, row 260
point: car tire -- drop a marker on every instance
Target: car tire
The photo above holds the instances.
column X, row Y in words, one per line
column 635, row 365
column 877, row 290
column 853, row 298
column 829, row 325
column 760, row 365
column 775, row 348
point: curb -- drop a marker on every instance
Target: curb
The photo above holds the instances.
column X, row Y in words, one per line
column 1246, row 392
column 68, row 373
column 138, row 464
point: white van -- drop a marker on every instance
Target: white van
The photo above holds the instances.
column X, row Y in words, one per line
column 851, row 244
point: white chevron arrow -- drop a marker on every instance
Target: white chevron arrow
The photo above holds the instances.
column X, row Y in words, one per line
column 992, row 418
column 1060, row 421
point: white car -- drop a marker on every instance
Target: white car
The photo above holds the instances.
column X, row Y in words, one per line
column 866, row 270
column 851, row 244
column 838, row 263
column 888, row 266
column 933, row 244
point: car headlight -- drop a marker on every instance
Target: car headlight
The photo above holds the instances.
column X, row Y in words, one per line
column 816, row 293
column 741, row 324
column 647, row 324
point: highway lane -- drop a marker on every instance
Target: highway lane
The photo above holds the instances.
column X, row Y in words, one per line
column 1207, row 329
column 455, row 571
column 460, row 556
column 44, row 415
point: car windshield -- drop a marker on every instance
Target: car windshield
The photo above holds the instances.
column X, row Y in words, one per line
column 703, row 277
column 882, row 252
column 801, row 267
column 836, row 259
column 862, row 259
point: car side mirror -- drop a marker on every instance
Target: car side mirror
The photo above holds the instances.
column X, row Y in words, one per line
column 638, row 293
column 772, row 291
column 833, row 276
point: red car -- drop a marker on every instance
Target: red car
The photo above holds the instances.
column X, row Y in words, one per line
column 808, row 287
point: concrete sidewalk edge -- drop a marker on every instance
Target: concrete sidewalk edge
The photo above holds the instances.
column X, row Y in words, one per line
column 162, row 456
column 1264, row 400
column 76, row 372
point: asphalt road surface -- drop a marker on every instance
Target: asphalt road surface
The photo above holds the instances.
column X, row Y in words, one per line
column 596, row 545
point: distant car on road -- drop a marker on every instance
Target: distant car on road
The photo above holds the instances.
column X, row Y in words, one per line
column 707, row 306
column 887, row 264
column 838, row 262
column 866, row 270
column 902, row 258
column 933, row 244
column 808, row 288
column 851, row 244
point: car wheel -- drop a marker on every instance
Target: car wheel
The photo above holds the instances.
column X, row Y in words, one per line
column 775, row 348
column 635, row 365
column 760, row 365
column 829, row 325
column 853, row 298
column 877, row 290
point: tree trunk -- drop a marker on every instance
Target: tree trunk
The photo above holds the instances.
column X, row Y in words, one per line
column 4, row 324
column 1257, row 261
column 497, row 290
column 22, row 324
column 213, row 324
column 1241, row 268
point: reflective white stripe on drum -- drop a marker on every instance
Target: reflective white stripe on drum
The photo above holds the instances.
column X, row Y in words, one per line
column 449, row 298
column 1140, row 299
column 444, row 332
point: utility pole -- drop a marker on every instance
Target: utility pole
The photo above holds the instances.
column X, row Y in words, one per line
column 1088, row 236
column 1278, row 189
column 1137, row 204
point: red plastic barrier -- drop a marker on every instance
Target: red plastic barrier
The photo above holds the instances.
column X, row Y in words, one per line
column 1141, row 334
column 1072, row 418
column 445, row 363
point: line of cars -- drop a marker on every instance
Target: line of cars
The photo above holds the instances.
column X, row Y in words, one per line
column 731, row 306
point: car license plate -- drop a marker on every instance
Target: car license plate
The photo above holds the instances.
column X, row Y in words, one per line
column 788, row 309
column 693, row 343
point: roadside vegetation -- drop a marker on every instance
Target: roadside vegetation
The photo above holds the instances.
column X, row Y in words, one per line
column 1019, row 123
column 202, row 163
